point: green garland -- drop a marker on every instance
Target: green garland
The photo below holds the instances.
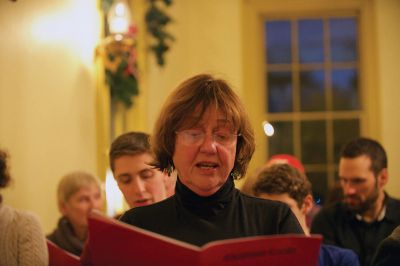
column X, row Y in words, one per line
column 157, row 21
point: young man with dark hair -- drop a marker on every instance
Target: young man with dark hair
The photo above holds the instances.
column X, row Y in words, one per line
column 283, row 182
column 130, row 161
column 367, row 214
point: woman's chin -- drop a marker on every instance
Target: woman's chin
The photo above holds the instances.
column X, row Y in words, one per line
column 206, row 188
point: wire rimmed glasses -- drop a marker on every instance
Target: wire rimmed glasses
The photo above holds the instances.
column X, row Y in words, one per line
column 196, row 137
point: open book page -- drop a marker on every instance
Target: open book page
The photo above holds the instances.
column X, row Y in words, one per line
column 58, row 256
column 282, row 250
column 114, row 243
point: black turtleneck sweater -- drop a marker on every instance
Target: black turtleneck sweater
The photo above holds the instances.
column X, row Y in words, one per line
column 226, row 214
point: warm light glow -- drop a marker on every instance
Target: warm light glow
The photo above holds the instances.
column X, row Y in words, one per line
column 268, row 128
column 114, row 196
column 118, row 37
column 74, row 28
column 119, row 18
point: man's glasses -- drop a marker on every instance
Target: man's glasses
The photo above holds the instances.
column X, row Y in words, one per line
column 197, row 137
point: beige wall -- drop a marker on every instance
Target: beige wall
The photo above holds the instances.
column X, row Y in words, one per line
column 208, row 39
column 388, row 58
column 48, row 83
column 47, row 118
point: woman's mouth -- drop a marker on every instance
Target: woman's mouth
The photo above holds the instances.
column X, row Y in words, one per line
column 207, row 165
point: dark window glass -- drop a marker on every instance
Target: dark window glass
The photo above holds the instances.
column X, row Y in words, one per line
column 344, row 89
column 336, row 176
column 312, row 91
column 311, row 45
column 282, row 140
column 319, row 183
column 343, row 132
column 278, row 40
column 311, row 80
column 280, row 92
column 313, row 142
column 343, row 33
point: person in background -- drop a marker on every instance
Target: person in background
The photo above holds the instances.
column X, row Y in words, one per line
column 366, row 214
column 140, row 183
column 285, row 183
column 248, row 185
column 388, row 251
column 286, row 159
column 203, row 132
column 22, row 240
column 78, row 194
column 280, row 159
column 293, row 161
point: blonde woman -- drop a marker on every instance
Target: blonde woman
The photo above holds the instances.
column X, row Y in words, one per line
column 78, row 194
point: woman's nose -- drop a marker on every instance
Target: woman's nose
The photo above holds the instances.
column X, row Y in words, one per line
column 96, row 203
column 91, row 203
column 208, row 144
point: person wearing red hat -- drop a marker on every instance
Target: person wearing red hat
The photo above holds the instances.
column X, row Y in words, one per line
column 288, row 159
column 281, row 159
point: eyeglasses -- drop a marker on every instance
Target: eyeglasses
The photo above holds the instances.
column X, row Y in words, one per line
column 196, row 137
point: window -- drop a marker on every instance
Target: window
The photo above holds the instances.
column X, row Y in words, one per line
column 312, row 91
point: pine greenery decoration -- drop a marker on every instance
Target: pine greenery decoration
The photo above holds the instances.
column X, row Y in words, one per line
column 157, row 21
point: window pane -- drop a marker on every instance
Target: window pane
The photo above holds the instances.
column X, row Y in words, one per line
column 278, row 40
column 313, row 142
column 280, row 95
column 344, row 89
column 282, row 140
column 311, row 40
column 343, row 33
column 312, row 91
column 315, row 83
column 343, row 132
column 319, row 183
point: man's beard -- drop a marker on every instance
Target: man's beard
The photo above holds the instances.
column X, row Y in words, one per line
column 362, row 207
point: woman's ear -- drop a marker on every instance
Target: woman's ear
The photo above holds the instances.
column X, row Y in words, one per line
column 308, row 204
column 62, row 208
column 170, row 182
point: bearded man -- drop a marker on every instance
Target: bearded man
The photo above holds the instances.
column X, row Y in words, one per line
column 367, row 214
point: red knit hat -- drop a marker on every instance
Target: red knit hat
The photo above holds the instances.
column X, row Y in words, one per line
column 286, row 158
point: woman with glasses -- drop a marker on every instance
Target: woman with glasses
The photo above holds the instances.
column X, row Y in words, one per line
column 203, row 133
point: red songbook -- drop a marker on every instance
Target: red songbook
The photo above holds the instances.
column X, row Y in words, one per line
column 60, row 257
column 112, row 242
